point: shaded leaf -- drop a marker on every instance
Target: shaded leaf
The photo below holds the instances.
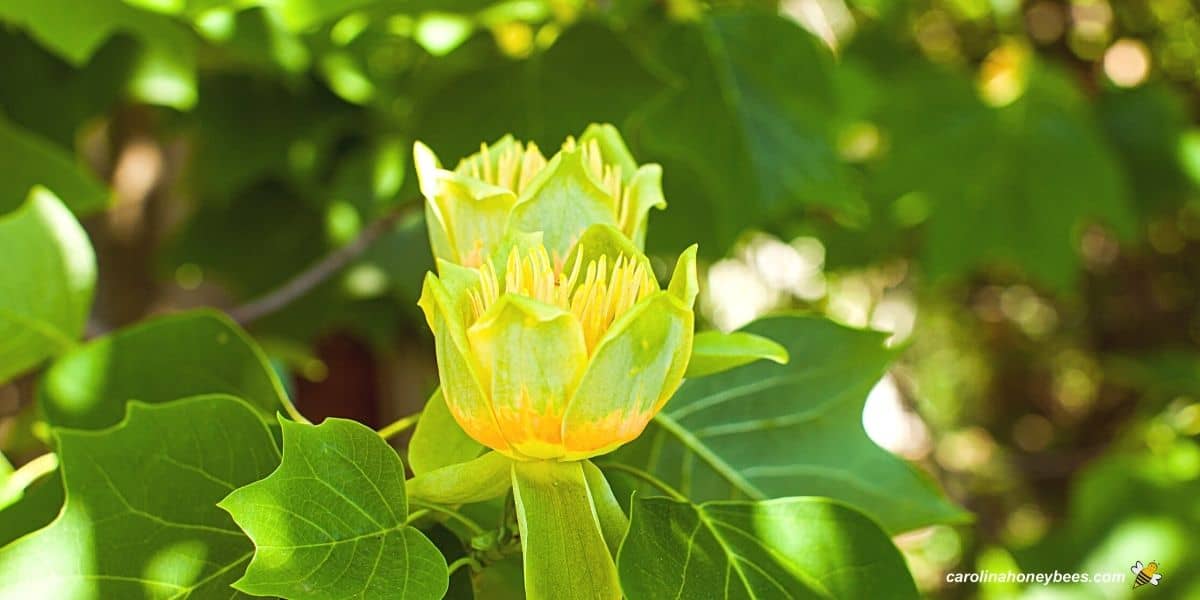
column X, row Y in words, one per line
column 788, row 548
column 192, row 353
column 140, row 519
column 331, row 521
column 28, row 161
column 766, row 430
column 165, row 72
column 742, row 139
column 46, row 283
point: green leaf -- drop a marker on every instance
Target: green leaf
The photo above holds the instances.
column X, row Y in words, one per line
column 564, row 550
column 483, row 478
column 192, row 353
column 140, row 519
column 29, row 160
column 589, row 75
column 331, row 521
column 767, row 431
column 715, row 351
column 46, row 284
column 165, row 72
column 742, row 139
column 788, row 548
column 438, row 441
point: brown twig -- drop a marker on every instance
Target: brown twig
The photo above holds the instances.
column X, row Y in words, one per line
column 310, row 278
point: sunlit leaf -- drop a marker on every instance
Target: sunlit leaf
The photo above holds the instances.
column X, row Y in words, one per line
column 199, row 352
column 46, row 283
column 767, row 431
column 331, row 521
column 141, row 517
column 788, row 548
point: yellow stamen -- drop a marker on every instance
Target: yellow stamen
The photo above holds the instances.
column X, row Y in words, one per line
column 512, row 168
column 605, row 293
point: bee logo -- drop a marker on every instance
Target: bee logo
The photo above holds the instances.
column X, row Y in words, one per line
column 1145, row 574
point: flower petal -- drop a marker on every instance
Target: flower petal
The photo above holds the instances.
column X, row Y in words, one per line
column 562, row 201
column 612, row 147
column 531, row 355
column 604, row 240
column 462, row 387
column 684, row 282
column 634, row 370
column 645, row 192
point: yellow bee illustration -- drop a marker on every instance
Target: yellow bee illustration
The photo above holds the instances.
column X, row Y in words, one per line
column 1145, row 574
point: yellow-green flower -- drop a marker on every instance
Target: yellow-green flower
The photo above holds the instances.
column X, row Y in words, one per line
column 542, row 359
column 511, row 188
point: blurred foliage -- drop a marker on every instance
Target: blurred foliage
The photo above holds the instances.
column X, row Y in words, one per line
column 1011, row 188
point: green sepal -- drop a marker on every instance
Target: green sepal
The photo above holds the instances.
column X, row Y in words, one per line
column 564, row 551
column 438, row 440
column 613, row 522
column 717, row 351
column 476, row 480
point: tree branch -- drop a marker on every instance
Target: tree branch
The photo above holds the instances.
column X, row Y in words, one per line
column 310, row 278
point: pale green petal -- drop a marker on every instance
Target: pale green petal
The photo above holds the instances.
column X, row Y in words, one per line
column 462, row 386
column 531, row 355
column 685, row 284
column 492, row 157
column 472, row 216
column 635, row 368
column 562, row 201
column 645, row 192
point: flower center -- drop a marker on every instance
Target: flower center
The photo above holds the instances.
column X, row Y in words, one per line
column 605, row 292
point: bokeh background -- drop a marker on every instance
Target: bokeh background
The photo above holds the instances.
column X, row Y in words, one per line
column 1010, row 188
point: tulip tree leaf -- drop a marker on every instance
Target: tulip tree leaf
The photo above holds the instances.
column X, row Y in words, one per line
column 716, row 351
column 740, row 127
column 29, row 160
column 46, row 282
column 496, row 99
column 331, row 521
column 438, row 441
column 767, row 431
column 141, row 517
column 198, row 352
column 789, row 548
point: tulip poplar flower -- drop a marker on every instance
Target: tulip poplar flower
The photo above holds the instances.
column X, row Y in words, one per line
column 560, row 360
column 510, row 187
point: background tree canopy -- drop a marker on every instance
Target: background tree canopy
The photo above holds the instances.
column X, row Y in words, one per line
column 1009, row 189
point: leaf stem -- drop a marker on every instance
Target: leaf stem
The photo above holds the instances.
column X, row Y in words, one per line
column 29, row 473
column 294, row 412
column 453, row 514
column 645, row 477
column 416, row 515
column 466, row 560
column 315, row 275
column 400, row 426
